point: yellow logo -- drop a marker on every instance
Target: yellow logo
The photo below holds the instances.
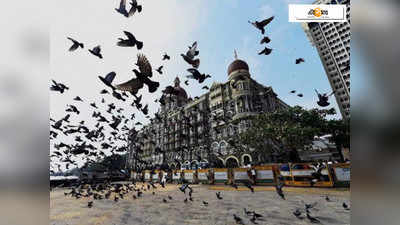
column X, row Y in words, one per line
column 317, row 12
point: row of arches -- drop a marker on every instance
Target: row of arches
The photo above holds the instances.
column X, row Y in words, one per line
column 230, row 162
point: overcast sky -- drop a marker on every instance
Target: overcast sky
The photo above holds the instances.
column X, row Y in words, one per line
column 170, row 26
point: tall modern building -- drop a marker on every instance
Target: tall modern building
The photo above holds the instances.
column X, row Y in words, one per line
column 332, row 40
column 190, row 132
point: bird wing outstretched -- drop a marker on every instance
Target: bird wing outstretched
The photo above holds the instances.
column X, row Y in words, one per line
column 54, row 82
column 132, row 85
column 266, row 21
column 129, row 35
column 122, row 4
column 144, row 65
column 110, row 77
column 74, row 46
column 192, row 52
column 134, row 7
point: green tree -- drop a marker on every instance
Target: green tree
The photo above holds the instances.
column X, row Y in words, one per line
column 283, row 132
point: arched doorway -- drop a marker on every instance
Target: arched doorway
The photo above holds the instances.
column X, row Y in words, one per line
column 246, row 159
column 219, row 163
column 204, row 164
column 232, row 162
column 194, row 165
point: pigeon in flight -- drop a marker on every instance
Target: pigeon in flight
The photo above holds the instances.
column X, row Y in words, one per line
column 190, row 54
column 122, row 8
column 197, row 75
column 205, row 87
column 96, row 51
column 108, row 79
column 142, row 77
column 60, row 87
column 72, row 108
column 118, row 96
column 104, row 91
column 159, row 70
column 323, row 98
column 265, row 51
column 134, row 7
column 299, row 60
column 93, row 104
column 265, row 40
column 166, row 57
column 293, row 91
column 75, row 44
column 300, row 95
column 261, row 25
column 77, row 98
column 130, row 42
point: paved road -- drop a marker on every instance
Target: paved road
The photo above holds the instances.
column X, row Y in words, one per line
column 150, row 209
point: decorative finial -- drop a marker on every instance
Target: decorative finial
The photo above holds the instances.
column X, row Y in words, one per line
column 177, row 81
column 236, row 56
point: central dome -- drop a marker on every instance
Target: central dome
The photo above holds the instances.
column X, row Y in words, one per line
column 182, row 92
column 237, row 65
column 179, row 89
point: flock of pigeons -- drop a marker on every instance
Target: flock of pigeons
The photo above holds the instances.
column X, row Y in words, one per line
column 118, row 191
column 260, row 25
column 85, row 136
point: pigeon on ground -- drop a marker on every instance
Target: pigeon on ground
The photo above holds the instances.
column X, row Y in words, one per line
column 312, row 219
column 279, row 191
column 218, row 194
column 297, row 213
column 238, row 220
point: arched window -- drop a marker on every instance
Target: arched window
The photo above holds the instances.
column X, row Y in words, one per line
column 223, row 146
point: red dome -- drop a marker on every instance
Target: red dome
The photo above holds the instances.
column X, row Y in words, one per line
column 237, row 65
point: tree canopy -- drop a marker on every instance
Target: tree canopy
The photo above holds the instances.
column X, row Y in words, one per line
column 283, row 132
